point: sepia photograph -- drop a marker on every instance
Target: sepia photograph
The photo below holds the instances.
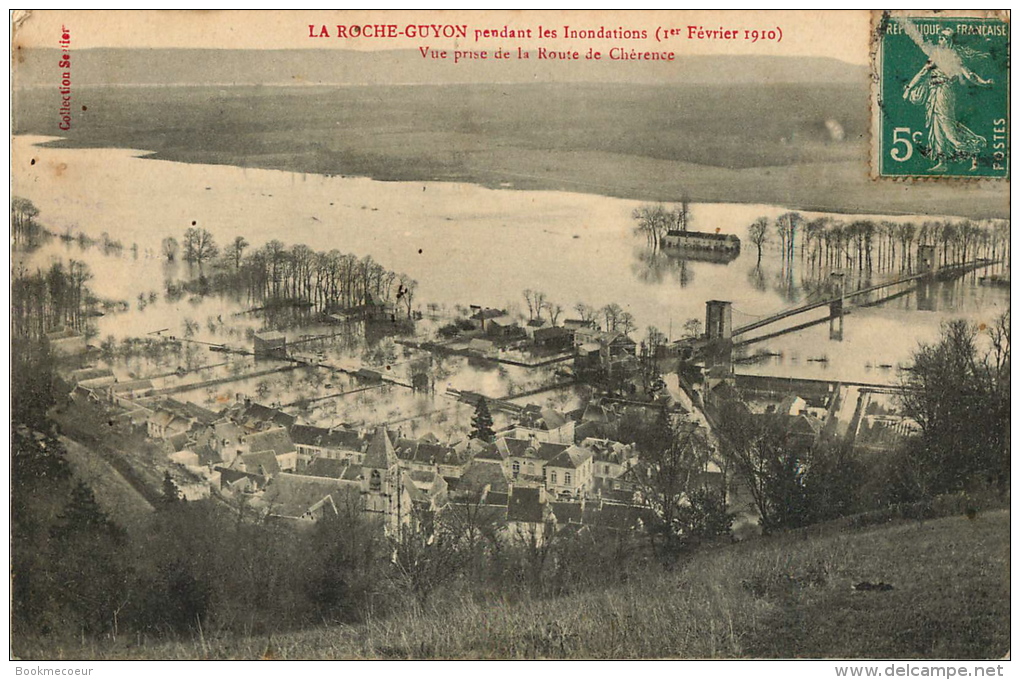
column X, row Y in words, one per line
column 511, row 335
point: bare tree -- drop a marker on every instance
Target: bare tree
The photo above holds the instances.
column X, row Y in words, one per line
column 625, row 323
column 758, row 232
column 199, row 245
column 170, row 248
column 692, row 328
column 405, row 291
column 959, row 396
column 675, row 455
column 611, row 313
column 538, row 298
column 425, row 556
column 653, row 221
column 236, row 250
column 528, row 298
column 586, row 312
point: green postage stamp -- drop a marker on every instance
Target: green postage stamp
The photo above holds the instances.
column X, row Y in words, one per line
column 940, row 95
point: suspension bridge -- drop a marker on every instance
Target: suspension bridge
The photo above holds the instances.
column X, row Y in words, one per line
column 720, row 320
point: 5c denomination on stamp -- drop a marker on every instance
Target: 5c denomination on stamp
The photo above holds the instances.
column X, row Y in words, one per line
column 940, row 95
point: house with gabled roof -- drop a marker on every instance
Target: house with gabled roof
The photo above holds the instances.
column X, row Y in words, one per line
column 163, row 423
column 332, row 468
column 426, row 454
column 570, row 473
column 481, row 317
column 170, row 417
column 432, row 486
column 279, row 442
column 605, row 350
column 307, row 498
column 803, row 431
column 611, row 458
column 492, row 453
column 481, row 480
column 253, row 416
column 792, row 405
column 235, row 481
column 553, row 338
column 503, row 327
column 340, row 444
column 80, row 375
column 86, row 395
column 124, row 393
column 185, row 457
column 270, row 344
column 175, row 443
column 542, row 423
column 224, row 437
column 261, row 463
column 528, row 515
column 527, row 458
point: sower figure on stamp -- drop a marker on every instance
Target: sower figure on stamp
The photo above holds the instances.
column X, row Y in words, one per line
column 948, row 138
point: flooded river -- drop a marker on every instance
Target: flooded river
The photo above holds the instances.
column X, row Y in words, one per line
column 464, row 244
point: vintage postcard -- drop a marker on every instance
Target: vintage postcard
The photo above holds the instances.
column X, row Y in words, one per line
column 511, row 335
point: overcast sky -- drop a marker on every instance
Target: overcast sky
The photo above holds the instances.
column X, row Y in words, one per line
column 837, row 34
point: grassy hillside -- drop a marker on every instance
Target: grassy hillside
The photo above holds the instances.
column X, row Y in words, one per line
column 780, row 597
column 752, row 143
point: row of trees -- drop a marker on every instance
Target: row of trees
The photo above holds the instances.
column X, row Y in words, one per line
column 276, row 274
column 868, row 245
column 25, row 230
column 43, row 301
column 538, row 303
column 612, row 317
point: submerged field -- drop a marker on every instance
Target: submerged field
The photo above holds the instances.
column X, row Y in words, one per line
column 802, row 146
column 779, row 597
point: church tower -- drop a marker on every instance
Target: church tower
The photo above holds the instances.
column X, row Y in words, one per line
column 380, row 484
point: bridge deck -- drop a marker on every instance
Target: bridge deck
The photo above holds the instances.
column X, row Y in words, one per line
column 955, row 269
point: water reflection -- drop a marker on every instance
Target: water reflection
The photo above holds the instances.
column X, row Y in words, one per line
column 757, row 278
column 463, row 243
column 656, row 266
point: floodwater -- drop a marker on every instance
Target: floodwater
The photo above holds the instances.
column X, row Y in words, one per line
column 464, row 244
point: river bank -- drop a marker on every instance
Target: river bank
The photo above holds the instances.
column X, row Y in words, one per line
column 767, row 144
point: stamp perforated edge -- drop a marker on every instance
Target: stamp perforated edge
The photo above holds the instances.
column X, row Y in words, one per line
column 879, row 18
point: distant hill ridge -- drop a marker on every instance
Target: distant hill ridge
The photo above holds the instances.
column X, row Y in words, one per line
column 162, row 67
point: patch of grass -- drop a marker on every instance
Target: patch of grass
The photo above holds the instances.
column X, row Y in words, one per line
column 114, row 494
column 950, row 596
column 774, row 597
